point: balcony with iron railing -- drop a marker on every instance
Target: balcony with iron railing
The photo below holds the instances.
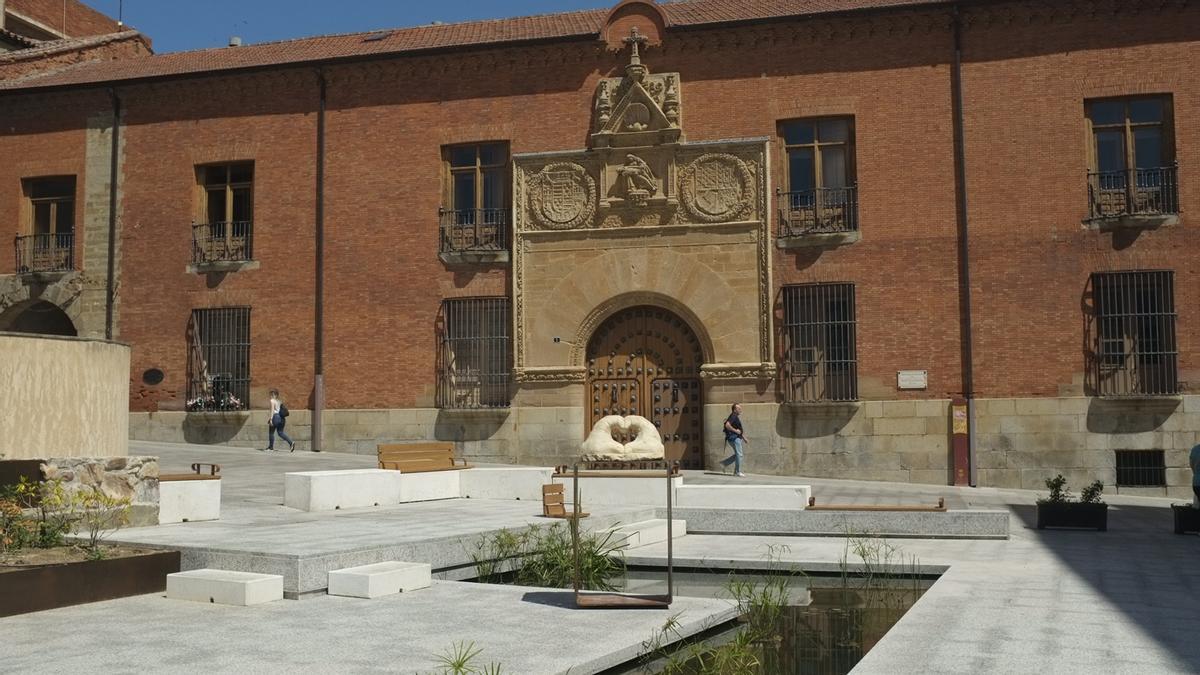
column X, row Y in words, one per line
column 818, row 217
column 1133, row 197
column 45, row 253
column 222, row 246
column 473, row 235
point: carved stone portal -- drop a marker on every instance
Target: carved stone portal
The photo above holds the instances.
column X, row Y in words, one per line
column 642, row 214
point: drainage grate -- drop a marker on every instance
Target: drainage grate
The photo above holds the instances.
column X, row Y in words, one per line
column 1141, row 468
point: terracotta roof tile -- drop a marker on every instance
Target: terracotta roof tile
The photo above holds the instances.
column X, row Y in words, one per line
column 402, row 40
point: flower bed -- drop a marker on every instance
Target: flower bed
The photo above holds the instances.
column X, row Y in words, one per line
column 33, row 580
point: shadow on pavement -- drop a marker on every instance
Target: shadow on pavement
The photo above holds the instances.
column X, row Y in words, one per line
column 1141, row 567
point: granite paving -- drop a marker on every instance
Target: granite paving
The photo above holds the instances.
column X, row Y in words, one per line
column 1126, row 600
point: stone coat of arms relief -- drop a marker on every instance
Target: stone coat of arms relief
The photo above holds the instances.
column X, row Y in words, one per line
column 638, row 179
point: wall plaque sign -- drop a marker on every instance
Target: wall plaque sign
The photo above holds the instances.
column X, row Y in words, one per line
column 912, row 379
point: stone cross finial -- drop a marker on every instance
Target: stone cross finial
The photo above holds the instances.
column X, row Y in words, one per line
column 635, row 40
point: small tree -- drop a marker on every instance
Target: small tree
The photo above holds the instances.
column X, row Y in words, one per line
column 100, row 515
column 1091, row 494
column 1058, row 491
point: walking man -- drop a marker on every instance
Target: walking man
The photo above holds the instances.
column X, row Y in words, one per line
column 735, row 436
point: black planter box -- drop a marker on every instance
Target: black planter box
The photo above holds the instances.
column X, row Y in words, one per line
column 1187, row 519
column 50, row 586
column 1072, row 514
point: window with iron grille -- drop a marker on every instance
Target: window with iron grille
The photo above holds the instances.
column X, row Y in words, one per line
column 1141, row 468
column 821, row 194
column 474, row 213
column 820, row 359
column 1134, row 321
column 226, row 214
column 475, row 369
column 48, row 244
column 219, row 359
column 1132, row 168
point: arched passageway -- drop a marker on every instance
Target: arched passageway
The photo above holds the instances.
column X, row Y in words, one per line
column 37, row 316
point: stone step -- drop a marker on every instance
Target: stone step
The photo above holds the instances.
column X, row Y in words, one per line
column 225, row 587
column 647, row 532
column 379, row 579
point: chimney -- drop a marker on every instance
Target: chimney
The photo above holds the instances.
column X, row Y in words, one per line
column 235, row 41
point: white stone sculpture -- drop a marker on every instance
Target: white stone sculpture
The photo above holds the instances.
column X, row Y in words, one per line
column 601, row 446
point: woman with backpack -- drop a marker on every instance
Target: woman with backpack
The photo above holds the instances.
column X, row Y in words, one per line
column 279, row 413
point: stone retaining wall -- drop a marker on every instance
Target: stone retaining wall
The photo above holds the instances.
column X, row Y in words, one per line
column 1020, row 442
column 135, row 478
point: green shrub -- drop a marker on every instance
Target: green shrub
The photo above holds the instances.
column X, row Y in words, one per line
column 1058, row 490
column 1091, row 494
column 544, row 557
column 99, row 516
column 16, row 531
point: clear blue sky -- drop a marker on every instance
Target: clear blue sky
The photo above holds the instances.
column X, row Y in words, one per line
column 177, row 25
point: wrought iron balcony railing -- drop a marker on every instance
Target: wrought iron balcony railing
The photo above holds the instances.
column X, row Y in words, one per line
column 1133, row 192
column 818, row 211
column 222, row 242
column 474, row 230
column 53, row 252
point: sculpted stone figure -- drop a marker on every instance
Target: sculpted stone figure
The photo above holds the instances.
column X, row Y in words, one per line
column 600, row 444
column 638, row 179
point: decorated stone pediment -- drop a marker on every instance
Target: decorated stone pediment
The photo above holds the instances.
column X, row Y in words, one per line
column 639, row 109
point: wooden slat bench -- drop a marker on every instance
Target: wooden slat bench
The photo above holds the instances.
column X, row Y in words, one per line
column 419, row 457
column 553, row 503
column 813, row 506
column 213, row 474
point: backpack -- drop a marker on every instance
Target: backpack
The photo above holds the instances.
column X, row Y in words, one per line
column 283, row 411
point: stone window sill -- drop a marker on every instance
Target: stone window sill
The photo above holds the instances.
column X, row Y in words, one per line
column 1132, row 222
column 223, row 266
column 474, row 257
column 819, row 239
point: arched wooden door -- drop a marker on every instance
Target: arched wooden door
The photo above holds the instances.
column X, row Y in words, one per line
column 646, row 361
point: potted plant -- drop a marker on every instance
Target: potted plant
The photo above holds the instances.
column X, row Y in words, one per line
column 1060, row 509
column 1187, row 518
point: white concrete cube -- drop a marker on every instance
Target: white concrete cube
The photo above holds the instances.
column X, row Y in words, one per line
column 617, row 491
column 744, row 496
column 385, row 578
column 225, row 587
column 423, row 486
column 504, row 482
column 189, row 500
column 647, row 532
column 329, row 490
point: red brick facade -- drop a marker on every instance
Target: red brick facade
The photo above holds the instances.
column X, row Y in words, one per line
column 1027, row 70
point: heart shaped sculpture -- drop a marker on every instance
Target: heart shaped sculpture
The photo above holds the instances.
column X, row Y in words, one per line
column 600, row 444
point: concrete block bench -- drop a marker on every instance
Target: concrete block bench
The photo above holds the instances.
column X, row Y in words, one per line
column 744, row 496
column 225, row 587
column 188, row 497
column 597, row 489
column 351, row 488
column 380, row 579
column 428, row 485
column 647, row 532
column 504, row 482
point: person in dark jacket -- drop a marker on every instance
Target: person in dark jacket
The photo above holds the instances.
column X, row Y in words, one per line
column 736, row 437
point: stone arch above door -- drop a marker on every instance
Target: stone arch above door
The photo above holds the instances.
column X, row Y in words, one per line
column 722, row 308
